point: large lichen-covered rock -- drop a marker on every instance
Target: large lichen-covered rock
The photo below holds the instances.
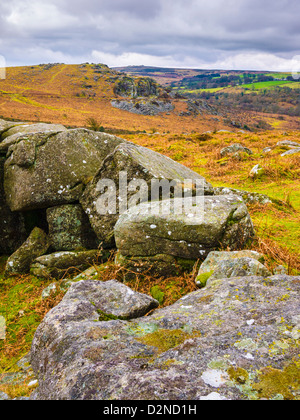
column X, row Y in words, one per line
column 66, row 263
column 148, row 229
column 6, row 125
column 36, row 245
column 12, row 225
column 234, row 340
column 135, row 163
column 16, row 133
column 69, row 228
column 44, row 170
column 32, row 128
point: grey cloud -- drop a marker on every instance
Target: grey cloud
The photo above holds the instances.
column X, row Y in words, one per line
column 197, row 29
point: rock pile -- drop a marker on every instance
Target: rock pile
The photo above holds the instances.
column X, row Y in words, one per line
column 67, row 198
column 51, row 184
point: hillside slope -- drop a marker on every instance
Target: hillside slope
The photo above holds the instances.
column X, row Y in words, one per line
column 71, row 94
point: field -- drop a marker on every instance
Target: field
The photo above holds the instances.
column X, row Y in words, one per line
column 266, row 85
column 65, row 94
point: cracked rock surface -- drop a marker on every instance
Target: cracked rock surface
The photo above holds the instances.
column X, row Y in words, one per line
column 235, row 339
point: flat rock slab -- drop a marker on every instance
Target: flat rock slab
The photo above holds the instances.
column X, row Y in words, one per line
column 6, row 125
column 135, row 163
column 150, row 229
column 235, row 340
column 162, row 265
column 44, row 170
column 66, row 263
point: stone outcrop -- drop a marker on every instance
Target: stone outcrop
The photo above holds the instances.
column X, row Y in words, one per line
column 44, row 170
column 136, row 87
column 135, row 163
column 143, row 106
column 236, row 339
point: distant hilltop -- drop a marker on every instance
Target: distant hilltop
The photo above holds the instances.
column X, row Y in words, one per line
column 151, row 99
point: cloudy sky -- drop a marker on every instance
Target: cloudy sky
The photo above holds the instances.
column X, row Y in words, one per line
column 229, row 34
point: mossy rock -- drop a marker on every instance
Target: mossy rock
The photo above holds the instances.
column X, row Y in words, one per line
column 36, row 245
column 48, row 170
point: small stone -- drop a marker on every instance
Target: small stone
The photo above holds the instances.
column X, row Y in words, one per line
column 257, row 172
column 280, row 269
column 235, row 148
column 66, row 263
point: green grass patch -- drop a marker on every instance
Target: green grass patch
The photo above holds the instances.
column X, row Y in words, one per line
column 23, row 309
column 264, row 85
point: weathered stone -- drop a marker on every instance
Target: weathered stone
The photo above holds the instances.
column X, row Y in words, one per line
column 257, row 172
column 44, row 170
column 236, row 338
column 69, row 228
column 143, row 106
column 135, row 163
column 131, row 87
column 291, row 147
column 280, row 269
column 148, row 229
column 234, row 148
column 215, row 257
column 291, row 152
column 102, row 301
column 288, row 143
column 12, row 225
column 248, row 197
column 239, row 267
column 158, row 265
column 4, row 397
column 36, row 245
column 65, row 263
column 6, row 125
column 21, row 129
